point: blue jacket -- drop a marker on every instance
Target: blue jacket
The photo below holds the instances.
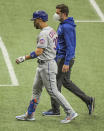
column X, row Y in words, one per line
column 66, row 40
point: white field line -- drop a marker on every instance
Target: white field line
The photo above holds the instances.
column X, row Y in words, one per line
column 97, row 9
column 9, row 65
column 8, row 85
column 89, row 21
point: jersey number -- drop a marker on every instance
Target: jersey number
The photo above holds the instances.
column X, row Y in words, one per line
column 55, row 41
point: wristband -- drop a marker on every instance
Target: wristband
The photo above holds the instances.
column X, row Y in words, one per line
column 33, row 55
column 24, row 58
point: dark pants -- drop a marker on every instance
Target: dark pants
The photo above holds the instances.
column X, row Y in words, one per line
column 64, row 79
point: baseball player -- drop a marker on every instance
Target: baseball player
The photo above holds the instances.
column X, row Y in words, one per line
column 46, row 70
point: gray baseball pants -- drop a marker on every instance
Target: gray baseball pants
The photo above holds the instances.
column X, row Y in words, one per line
column 46, row 76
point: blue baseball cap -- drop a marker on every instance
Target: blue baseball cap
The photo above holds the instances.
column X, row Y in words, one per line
column 40, row 14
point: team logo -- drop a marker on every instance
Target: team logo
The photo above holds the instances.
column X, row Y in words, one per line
column 42, row 41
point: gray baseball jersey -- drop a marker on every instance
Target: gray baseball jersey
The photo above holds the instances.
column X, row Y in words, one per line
column 47, row 39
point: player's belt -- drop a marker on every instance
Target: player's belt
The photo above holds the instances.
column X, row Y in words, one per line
column 41, row 61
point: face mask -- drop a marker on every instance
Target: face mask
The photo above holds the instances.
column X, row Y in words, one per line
column 56, row 17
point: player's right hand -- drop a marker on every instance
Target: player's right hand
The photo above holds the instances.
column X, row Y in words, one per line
column 20, row 59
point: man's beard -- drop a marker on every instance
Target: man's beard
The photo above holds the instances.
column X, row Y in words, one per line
column 37, row 26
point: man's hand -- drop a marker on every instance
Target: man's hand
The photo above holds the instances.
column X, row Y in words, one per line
column 65, row 68
column 20, row 59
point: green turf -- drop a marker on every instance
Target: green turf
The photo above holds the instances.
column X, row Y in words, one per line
column 19, row 36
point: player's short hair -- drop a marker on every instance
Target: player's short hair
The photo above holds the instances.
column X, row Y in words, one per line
column 63, row 8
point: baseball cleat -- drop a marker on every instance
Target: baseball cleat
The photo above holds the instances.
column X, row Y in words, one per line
column 25, row 118
column 69, row 118
column 91, row 106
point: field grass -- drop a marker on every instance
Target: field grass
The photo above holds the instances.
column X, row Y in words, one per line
column 19, row 36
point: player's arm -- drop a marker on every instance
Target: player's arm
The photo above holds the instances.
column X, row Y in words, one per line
column 32, row 55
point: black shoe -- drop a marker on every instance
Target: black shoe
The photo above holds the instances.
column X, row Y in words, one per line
column 91, row 106
column 50, row 113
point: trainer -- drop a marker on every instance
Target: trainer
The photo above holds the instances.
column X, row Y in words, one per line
column 65, row 58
